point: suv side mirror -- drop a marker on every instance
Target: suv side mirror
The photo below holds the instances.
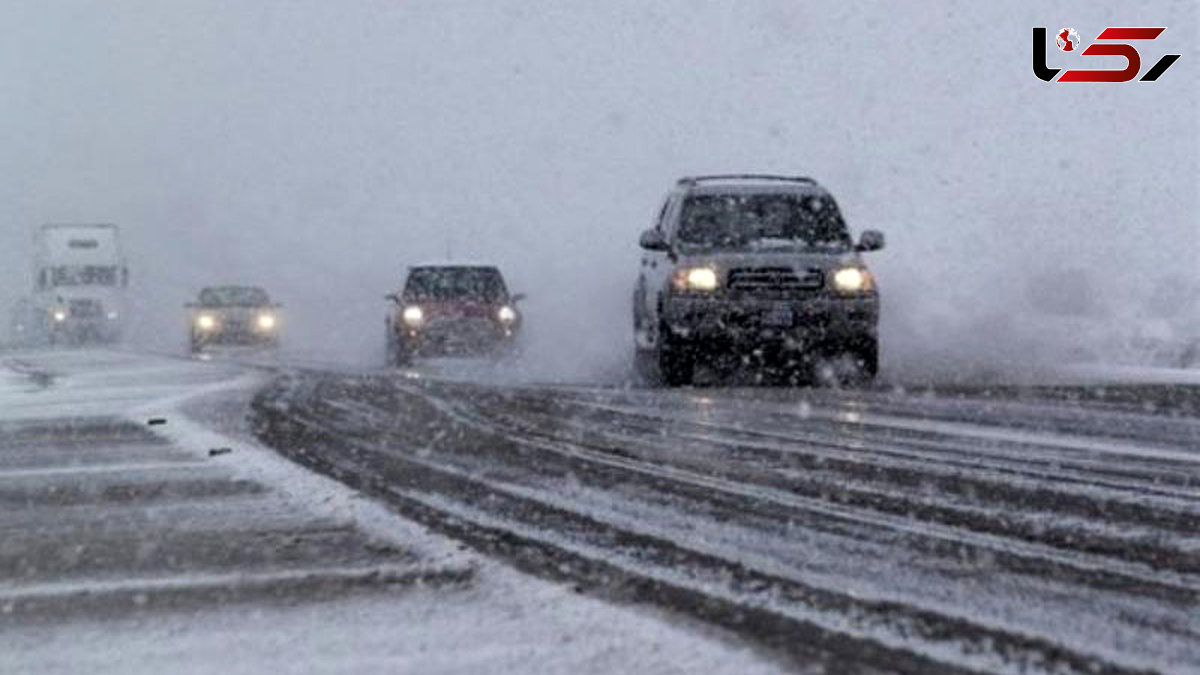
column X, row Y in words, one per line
column 870, row 240
column 517, row 297
column 653, row 240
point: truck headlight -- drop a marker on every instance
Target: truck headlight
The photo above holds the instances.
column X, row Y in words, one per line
column 413, row 315
column 507, row 314
column 696, row 279
column 206, row 322
column 266, row 322
column 853, row 280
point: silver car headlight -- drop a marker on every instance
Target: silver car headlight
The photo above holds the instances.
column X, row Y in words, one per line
column 267, row 322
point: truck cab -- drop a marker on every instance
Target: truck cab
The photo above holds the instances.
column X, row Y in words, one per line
column 80, row 278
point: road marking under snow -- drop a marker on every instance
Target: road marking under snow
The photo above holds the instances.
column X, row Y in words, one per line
column 179, row 465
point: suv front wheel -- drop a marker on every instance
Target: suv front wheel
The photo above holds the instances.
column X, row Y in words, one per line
column 854, row 364
column 867, row 353
column 676, row 362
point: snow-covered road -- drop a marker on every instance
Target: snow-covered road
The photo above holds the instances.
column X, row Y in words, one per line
column 706, row 530
column 143, row 530
column 1053, row 530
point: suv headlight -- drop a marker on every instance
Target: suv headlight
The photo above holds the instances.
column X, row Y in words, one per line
column 507, row 314
column 696, row 279
column 853, row 280
column 206, row 322
column 413, row 315
column 266, row 322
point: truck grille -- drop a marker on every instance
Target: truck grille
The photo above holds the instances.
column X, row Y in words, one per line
column 774, row 280
column 85, row 309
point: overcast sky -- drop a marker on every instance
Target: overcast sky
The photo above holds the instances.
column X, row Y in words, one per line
column 319, row 147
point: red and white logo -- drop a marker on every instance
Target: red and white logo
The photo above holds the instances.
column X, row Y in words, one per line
column 1112, row 41
column 1068, row 40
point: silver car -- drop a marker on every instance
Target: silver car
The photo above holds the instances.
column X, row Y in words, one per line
column 233, row 316
column 754, row 268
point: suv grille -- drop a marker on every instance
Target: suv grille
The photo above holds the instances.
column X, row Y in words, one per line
column 774, row 280
column 85, row 308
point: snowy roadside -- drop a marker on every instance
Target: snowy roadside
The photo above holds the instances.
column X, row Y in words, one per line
column 1116, row 374
column 499, row 621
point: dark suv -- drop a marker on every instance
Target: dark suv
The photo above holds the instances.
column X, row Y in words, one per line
column 452, row 310
column 754, row 268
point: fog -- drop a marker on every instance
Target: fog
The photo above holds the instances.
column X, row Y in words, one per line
column 319, row 148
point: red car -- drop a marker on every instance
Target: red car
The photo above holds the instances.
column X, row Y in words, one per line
column 452, row 310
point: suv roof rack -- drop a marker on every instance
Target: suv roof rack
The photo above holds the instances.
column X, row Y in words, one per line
column 692, row 180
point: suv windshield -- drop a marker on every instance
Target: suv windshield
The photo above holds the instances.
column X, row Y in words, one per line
column 234, row 297
column 762, row 221
column 456, row 283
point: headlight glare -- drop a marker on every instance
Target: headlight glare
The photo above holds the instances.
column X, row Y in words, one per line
column 696, row 279
column 60, row 315
column 507, row 314
column 413, row 315
column 266, row 321
column 206, row 322
column 853, row 280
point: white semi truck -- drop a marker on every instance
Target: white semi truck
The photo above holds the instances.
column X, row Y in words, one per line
column 80, row 281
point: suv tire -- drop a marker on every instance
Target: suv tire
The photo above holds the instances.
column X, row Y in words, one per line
column 868, row 357
column 676, row 363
